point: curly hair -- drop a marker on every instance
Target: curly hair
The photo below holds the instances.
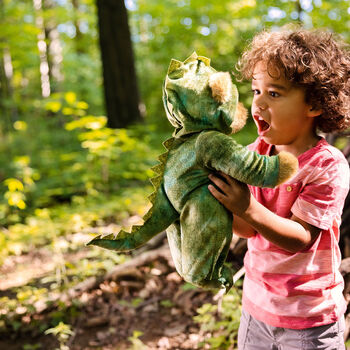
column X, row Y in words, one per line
column 311, row 59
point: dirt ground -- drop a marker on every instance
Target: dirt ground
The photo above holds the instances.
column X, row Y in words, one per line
column 151, row 299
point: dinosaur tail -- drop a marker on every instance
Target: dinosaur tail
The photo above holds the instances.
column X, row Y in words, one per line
column 159, row 217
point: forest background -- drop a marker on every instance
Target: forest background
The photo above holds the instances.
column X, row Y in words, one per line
column 66, row 174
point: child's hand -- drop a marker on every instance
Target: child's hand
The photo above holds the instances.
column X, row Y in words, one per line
column 234, row 195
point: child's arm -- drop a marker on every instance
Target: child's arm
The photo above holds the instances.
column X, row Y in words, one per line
column 241, row 228
column 292, row 234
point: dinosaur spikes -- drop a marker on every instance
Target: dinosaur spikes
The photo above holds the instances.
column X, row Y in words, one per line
column 195, row 57
column 135, row 228
column 121, row 234
column 156, row 180
column 163, row 157
column 148, row 214
column 174, row 64
column 94, row 239
column 192, row 58
column 110, row 236
column 158, row 168
column 168, row 143
column 205, row 60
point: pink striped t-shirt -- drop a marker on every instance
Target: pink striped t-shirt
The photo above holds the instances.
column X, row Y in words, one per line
column 303, row 289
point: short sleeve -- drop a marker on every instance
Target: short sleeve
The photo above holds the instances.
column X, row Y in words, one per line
column 322, row 198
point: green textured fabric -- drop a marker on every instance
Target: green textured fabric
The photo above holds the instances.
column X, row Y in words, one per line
column 188, row 101
column 199, row 228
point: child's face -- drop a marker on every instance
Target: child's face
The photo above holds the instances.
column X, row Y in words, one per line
column 279, row 110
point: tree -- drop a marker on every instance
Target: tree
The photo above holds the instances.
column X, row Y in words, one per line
column 54, row 49
column 8, row 110
column 42, row 46
column 80, row 48
column 120, row 84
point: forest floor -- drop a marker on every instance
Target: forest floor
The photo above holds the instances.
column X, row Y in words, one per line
column 143, row 307
column 148, row 307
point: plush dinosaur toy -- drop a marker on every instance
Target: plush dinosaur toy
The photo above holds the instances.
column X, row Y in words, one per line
column 202, row 105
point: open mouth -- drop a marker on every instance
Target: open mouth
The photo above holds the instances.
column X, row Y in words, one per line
column 262, row 125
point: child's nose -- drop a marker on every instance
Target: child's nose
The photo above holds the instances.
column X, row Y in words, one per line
column 260, row 102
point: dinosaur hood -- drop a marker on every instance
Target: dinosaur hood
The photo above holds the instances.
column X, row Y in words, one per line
column 188, row 98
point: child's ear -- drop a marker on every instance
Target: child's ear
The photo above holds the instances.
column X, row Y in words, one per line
column 314, row 112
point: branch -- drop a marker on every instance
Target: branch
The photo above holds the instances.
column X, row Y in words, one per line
column 93, row 282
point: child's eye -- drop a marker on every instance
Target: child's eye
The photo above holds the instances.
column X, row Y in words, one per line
column 255, row 91
column 274, row 94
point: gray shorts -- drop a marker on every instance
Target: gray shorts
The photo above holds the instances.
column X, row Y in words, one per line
column 256, row 335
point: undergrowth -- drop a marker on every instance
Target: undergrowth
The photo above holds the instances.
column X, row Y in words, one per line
column 66, row 176
column 219, row 324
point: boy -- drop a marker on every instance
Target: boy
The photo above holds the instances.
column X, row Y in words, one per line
column 292, row 293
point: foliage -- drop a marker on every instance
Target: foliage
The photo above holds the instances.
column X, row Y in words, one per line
column 62, row 332
column 74, row 180
column 83, row 158
column 64, row 174
column 77, row 179
column 80, row 70
column 136, row 343
column 219, row 30
column 221, row 327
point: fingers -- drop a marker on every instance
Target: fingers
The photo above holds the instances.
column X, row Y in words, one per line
column 224, row 189
column 217, row 194
column 233, row 194
column 221, row 184
column 228, row 178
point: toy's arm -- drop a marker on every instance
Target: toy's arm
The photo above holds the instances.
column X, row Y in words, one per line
column 220, row 152
column 162, row 216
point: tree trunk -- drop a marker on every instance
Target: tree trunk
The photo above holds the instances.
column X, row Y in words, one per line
column 299, row 11
column 5, row 90
column 54, row 49
column 79, row 44
column 8, row 108
column 44, row 65
column 120, row 83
